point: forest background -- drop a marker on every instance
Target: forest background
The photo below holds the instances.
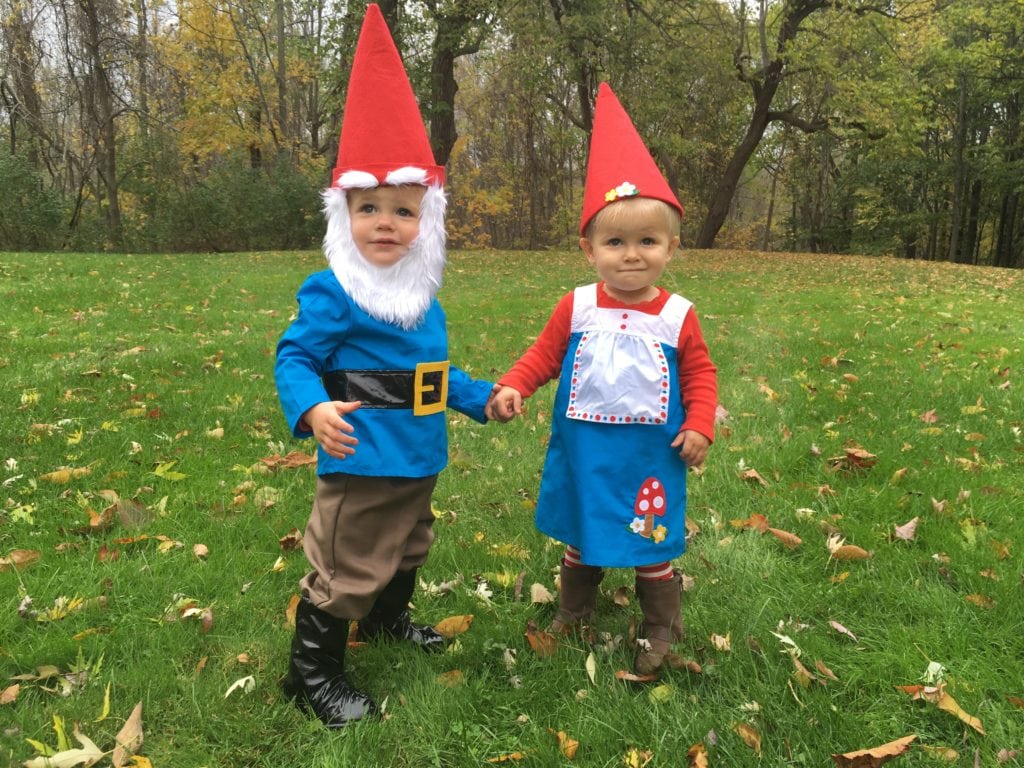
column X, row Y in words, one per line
column 808, row 125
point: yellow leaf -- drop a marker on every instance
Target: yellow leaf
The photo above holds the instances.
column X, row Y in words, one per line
column 454, row 625
column 511, row 756
column 750, row 735
column 850, row 552
column 697, row 756
column 106, row 706
column 451, row 678
column 721, row 643
column 634, row 758
column 661, row 693
column 62, row 476
column 591, row 667
column 948, row 704
column 566, row 745
column 164, row 470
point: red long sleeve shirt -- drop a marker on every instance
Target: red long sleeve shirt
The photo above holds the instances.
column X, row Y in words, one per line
column 698, row 381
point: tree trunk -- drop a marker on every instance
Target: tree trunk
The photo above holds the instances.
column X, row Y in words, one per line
column 101, row 111
column 764, row 83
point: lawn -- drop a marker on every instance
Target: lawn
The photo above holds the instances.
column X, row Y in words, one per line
column 855, row 572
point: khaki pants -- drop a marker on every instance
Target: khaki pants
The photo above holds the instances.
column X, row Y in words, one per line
column 361, row 532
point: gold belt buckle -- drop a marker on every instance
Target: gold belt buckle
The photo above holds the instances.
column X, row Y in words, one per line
column 421, row 387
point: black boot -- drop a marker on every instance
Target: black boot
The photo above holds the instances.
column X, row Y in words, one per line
column 389, row 616
column 316, row 673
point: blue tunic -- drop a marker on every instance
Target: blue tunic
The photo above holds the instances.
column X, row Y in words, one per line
column 331, row 333
column 613, row 487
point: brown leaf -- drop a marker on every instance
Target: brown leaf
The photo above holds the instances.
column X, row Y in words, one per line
column 632, row 677
column 842, row 630
column 200, row 551
column 929, row 417
column 129, row 738
column 544, row 644
column 750, row 735
column 289, row 612
column 621, row 597
column 855, row 459
column 292, row 460
column 753, row 476
column 825, row 671
column 9, row 694
column 789, row 540
column 1017, row 701
column 756, row 521
column 850, row 552
column 871, row 758
column 291, row 540
column 454, row 625
column 511, row 756
column 18, row 558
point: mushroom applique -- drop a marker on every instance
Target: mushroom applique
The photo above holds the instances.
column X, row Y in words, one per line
column 650, row 501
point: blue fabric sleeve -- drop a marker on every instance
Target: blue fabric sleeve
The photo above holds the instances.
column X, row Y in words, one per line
column 467, row 395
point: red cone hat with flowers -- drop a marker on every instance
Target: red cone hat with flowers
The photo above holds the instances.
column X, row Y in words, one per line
column 382, row 130
column 620, row 165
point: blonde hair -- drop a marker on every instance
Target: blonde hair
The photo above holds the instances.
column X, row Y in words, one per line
column 615, row 212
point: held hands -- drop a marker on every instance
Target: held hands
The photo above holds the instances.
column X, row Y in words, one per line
column 504, row 404
column 693, row 447
column 333, row 433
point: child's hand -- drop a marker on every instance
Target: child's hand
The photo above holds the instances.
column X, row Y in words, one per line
column 504, row 404
column 330, row 429
column 693, row 447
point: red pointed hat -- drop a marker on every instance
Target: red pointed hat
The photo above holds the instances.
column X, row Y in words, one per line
column 620, row 165
column 382, row 129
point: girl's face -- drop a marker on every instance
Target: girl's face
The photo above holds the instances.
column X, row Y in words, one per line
column 385, row 221
column 630, row 252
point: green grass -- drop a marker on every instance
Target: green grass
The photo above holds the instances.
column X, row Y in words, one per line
column 120, row 365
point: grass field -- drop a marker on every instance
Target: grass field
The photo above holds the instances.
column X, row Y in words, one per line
column 875, row 413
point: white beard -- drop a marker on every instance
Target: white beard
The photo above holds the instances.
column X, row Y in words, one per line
column 402, row 293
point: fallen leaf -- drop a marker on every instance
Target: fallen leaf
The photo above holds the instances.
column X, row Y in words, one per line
column 842, row 630
column 9, row 694
column 753, row 476
column 876, row 756
column 291, row 540
column 451, row 678
column 621, row 597
column 19, row 559
column 825, row 671
column 591, row 667
column 454, row 625
column 982, row 601
column 129, row 738
column 750, row 735
column 756, row 521
column 907, row 530
column 945, row 754
column 635, row 758
column 721, row 643
column 789, row 540
column 510, row 757
column 246, row 684
column 89, row 754
column 539, row 594
column 292, row 460
column 566, row 745
column 201, row 551
column 929, row 417
column 697, row 756
column 632, row 677
column 850, row 552
column 544, row 644
column 65, row 475
column 936, row 694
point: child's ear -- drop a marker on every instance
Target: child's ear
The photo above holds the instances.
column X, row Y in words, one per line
column 673, row 247
column 587, row 248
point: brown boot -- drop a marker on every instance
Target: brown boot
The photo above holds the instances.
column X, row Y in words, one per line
column 576, row 598
column 663, row 621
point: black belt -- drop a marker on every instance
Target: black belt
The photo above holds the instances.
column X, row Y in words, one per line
column 424, row 390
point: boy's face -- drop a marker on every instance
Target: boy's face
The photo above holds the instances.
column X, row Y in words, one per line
column 630, row 251
column 385, row 221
